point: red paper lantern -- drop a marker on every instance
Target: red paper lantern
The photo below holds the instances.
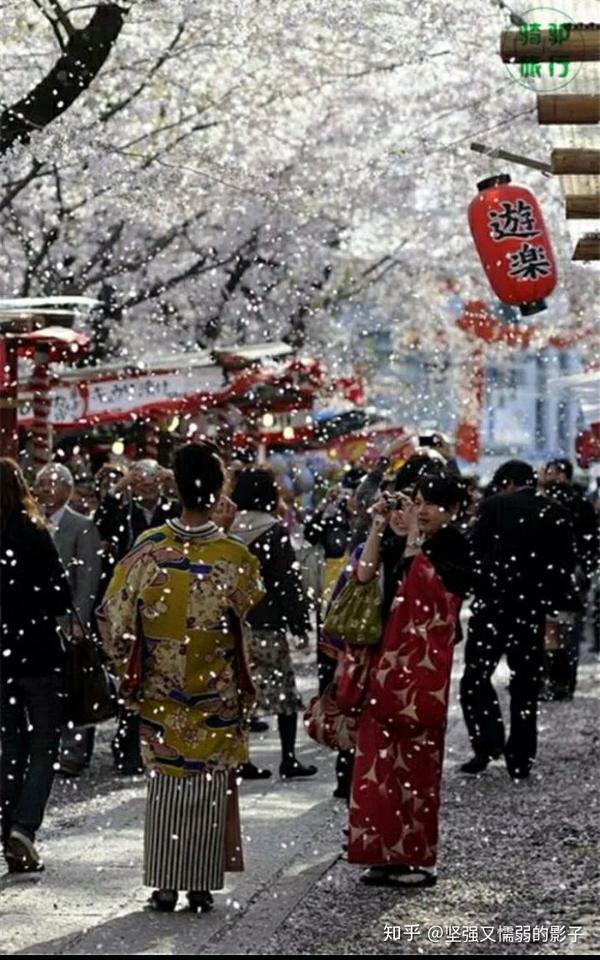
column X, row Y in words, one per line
column 512, row 243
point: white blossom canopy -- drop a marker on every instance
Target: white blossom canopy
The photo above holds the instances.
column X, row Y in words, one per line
column 246, row 169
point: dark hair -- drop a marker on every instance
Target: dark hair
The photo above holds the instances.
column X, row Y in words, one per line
column 105, row 471
column 563, row 465
column 256, row 489
column 514, row 471
column 417, row 466
column 199, row 475
column 562, row 492
column 15, row 496
column 443, row 490
column 353, row 477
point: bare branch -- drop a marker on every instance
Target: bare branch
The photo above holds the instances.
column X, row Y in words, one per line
column 18, row 185
column 49, row 238
column 161, row 286
column 125, row 101
column 52, row 22
column 242, row 258
column 160, row 245
column 63, row 18
column 102, row 251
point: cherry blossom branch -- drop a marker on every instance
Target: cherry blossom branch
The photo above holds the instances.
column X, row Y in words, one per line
column 126, row 101
column 53, row 23
column 37, row 170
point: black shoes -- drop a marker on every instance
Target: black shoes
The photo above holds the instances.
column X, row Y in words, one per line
column 555, row 695
column 287, row 771
column 129, row 769
column 343, row 789
column 476, row 764
column 517, row 774
column 70, row 770
column 293, row 769
column 200, row 901
column 21, row 855
column 164, row 901
column 257, row 726
column 249, row 771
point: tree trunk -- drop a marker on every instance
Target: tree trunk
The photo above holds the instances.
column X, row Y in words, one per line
column 72, row 73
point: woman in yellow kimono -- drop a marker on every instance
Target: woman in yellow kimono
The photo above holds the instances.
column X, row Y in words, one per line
column 171, row 623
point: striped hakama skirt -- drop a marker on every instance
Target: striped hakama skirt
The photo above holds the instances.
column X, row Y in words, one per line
column 184, row 836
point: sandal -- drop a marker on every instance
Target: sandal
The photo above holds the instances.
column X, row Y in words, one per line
column 200, row 900
column 164, row 901
column 398, row 877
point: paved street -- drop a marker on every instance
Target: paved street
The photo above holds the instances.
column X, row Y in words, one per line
column 509, row 855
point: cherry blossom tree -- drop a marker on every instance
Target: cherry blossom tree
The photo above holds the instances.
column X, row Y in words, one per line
column 247, row 169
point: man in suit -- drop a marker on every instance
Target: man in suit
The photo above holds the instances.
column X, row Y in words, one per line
column 78, row 543
column 135, row 504
column 523, row 558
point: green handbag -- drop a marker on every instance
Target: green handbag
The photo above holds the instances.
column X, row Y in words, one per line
column 355, row 614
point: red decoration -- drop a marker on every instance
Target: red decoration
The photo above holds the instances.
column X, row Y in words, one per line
column 351, row 388
column 512, row 243
column 467, row 429
column 587, row 446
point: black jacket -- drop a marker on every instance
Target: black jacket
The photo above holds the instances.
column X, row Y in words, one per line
column 120, row 521
column 523, row 552
column 284, row 606
column 585, row 528
column 330, row 527
column 34, row 590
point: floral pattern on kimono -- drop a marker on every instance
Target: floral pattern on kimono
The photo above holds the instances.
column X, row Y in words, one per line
column 180, row 593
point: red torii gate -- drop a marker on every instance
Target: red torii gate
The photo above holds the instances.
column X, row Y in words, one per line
column 482, row 328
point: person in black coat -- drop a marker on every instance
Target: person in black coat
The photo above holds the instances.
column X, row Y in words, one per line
column 523, row 564
column 561, row 665
column 135, row 504
column 284, row 609
column 34, row 591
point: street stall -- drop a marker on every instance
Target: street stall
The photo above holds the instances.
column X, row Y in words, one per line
column 52, row 398
column 259, row 393
column 24, row 334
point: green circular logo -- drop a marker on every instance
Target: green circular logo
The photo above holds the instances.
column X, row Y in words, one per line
column 548, row 75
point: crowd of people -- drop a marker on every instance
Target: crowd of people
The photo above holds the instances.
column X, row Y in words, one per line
column 194, row 580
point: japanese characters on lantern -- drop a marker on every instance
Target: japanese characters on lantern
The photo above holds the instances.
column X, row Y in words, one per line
column 513, row 244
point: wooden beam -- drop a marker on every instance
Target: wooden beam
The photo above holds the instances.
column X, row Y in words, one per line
column 588, row 248
column 583, row 206
column 579, row 46
column 568, row 108
column 573, row 161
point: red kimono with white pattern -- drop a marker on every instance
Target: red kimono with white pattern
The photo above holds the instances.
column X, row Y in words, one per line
column 395, row 798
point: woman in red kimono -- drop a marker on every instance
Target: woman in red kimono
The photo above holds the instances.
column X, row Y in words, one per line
column 393, row 817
